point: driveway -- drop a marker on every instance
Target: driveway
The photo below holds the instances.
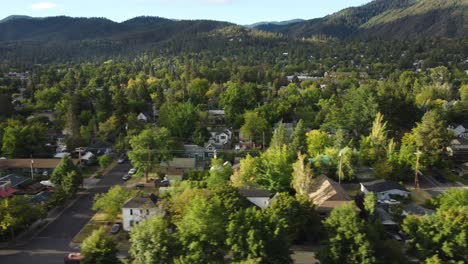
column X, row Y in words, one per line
column 52, row 243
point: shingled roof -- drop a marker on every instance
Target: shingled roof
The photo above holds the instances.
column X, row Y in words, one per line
column 383, row 186
column 142, row 202
column 327, row 194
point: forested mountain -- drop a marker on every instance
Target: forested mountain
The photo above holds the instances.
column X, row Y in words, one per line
column 64, row 28
column 395, row 19
column 260, row 25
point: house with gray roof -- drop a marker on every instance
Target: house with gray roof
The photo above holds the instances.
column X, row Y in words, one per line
column 383, row 189
column 138, row 209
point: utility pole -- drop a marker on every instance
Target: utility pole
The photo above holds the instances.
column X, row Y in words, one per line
column 32, row 168
column 340, row 167
column 416, row 173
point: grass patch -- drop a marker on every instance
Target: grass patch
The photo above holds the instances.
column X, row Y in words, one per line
column 87, row 172
column 456, row 178
column 97, row 221
column 420, row 197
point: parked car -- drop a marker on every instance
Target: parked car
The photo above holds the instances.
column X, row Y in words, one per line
column 140, row 186
column 115, row 228
column 132, row 171
column 73, row 258
column 122, row 159
column 126, row 177
column 391, row 201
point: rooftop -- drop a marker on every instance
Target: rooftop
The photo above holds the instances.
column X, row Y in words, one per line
column 382, row 186
column 15, row 180
column 26, row 163
column 327, row 194
column 142, row 202
column 254, row 193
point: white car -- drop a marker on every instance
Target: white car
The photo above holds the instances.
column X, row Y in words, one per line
column 391, row 201
column 132, row 171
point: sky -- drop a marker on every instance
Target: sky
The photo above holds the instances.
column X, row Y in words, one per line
column 237, row 11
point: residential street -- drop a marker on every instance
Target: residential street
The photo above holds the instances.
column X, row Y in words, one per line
column 52, row 243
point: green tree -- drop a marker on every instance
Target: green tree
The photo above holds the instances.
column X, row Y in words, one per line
column 152, row 242
column 17, row 213
column 317, row 141
column 104, row 161
column 150, row 148
column 236, row 99
column 254, row 126
column 274, row 171
column 253, row 234
column 298, row 139
column 71, row 182
column 111, row 202
column 219, row 173
column 452, row 198
column 99, row 248
column 432, row 137
column 348, row 241
column 202, row 232
column 179, row 118
column 302, row 176
column 245, row 176
column 197, row 90
column 302, row 222
column 443, row 234
column 64, row 168
column 370, row 201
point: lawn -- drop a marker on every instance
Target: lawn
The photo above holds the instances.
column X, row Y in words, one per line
column 420, row 197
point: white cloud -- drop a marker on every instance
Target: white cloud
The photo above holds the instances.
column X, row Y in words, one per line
column 43, row 5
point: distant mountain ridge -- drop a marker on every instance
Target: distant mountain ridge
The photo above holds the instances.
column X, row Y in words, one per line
column 388, row 19
column 382, row 19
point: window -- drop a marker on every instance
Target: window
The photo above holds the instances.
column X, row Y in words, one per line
column 141, row 211
column 131, row 211
column 147, row 211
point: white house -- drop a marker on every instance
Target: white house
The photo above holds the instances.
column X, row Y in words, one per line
column 220, row 137
column 259, row 197
column 142, row 117
column 383, row 189
column 459, row 130
column 138, row 209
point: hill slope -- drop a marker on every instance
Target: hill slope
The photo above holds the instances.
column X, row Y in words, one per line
column 62, row 28
column 397, row 19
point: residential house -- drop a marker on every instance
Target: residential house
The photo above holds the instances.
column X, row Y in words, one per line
column 383, row 189
column 458, row 149
column 15, row 181
column 415, row 209
column 6, row 190
column 220, row 137
column 88, row 159
column 41, row 197
column 386, row 219
column 259, row 197
column 217, row 117
column 184, row 164
column 326, row 195
column 194, row 151
column 142, row 117
column 459, row 130
column 138, row 209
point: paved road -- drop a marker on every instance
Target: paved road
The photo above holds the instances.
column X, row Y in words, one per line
column 52, row 243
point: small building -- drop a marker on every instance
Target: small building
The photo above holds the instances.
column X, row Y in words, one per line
column 383, row 189
column 184, row 164
column 138, row 209
column 194, row 151
column 326, row 195
column 459, row 130
column 88, row 159
column 220, row 137
column 15, row 181
column 174, row 174
column 6, row 190
column 458, row 149
column 259, row 197
column 41, row 197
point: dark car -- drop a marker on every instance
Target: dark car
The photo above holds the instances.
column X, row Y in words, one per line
column 115, row 228
column 126, row 177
